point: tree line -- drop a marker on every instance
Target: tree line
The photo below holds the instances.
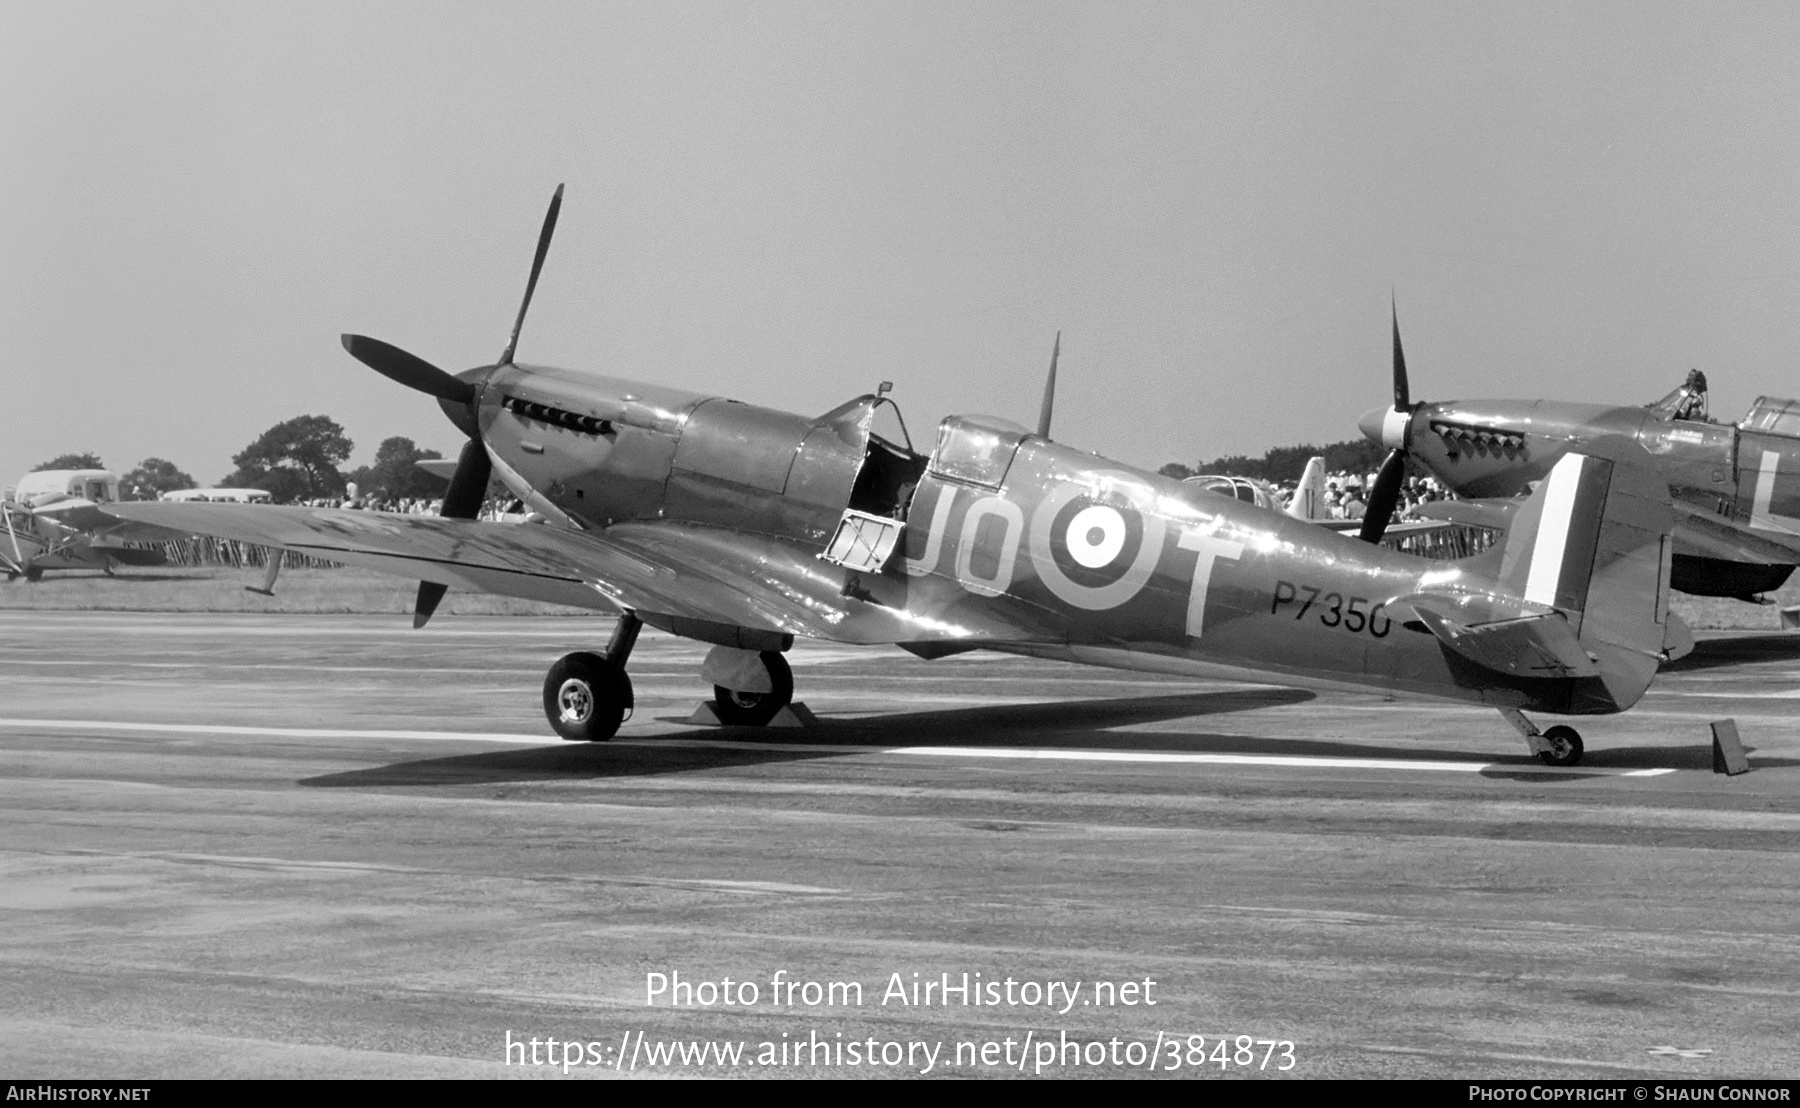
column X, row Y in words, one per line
column 298, row 460
column 293, row 461
column 1285, row 463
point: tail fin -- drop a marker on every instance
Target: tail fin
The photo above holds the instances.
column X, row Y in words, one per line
column 1309, row 494
column 1588, row 553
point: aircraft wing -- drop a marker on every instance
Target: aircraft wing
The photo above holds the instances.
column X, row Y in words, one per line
column 82, row 515
column 1493, row 512
column 87, row 515
column 1707, row 535
column 655, row 569
column 1409, row 527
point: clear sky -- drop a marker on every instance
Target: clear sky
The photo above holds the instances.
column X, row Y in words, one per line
column 790, row 202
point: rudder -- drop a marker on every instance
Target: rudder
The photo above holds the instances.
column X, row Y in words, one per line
column 1593, row 542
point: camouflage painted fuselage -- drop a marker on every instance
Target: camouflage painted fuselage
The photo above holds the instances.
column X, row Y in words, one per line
column 1011, row 542
column 1736, row 487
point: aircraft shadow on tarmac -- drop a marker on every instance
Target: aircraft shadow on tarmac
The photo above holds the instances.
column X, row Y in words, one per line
column 1080, row 725
column 1737, row 650
column 1077, row 725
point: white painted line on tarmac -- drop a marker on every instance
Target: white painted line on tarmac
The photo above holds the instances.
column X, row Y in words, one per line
column 1778, row 694
column 271, row 732
column 1140, row 757
column 1292, row 760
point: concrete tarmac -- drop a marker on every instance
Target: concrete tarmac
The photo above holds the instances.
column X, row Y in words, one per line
column 249, row 846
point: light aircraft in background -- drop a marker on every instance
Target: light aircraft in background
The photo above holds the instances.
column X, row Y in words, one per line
column 1310, row 501
column 745, row 527
column 1736, row 487
column 53, row 519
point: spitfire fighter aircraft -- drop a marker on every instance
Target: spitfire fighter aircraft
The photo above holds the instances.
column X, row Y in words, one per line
column 1736, row 487
column 53, row 519
column 745, row 527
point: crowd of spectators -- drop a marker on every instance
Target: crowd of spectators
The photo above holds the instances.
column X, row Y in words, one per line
column 502, row 509
column 1346, row 495
column 412, row 506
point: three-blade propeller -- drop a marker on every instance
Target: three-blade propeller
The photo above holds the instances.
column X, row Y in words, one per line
column 460, row 397
column 1386, row 493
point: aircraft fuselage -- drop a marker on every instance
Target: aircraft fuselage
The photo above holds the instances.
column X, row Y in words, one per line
column 1737, row 486
column 1010, row 541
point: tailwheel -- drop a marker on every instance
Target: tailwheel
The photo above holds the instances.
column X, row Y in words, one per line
column 586, row 697
column 755, row 709
column 1564, row 747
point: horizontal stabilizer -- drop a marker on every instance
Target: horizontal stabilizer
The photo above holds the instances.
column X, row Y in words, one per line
column 444, row 468
column 1531, row 646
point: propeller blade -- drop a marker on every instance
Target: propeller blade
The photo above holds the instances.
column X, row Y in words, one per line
column 468, row 485
column 537, row 265
column 1402, row 396
column 1049, row 390
column 430, row 592
column 408, row 369
column 1383, row 497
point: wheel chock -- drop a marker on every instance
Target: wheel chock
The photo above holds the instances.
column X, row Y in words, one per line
column 795, row 715
column 1728, row 753
column 791, row 716
column 706, row 715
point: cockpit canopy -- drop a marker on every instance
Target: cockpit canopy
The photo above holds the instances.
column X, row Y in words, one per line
column 976, row 449
column 1774, row 416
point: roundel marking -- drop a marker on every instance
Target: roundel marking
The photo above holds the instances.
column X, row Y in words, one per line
column 1096, row 535
column 1099, row 529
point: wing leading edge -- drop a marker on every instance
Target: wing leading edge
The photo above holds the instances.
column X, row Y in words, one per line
column 699, row 574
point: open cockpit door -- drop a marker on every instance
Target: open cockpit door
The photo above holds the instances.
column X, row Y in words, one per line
column 882, row 473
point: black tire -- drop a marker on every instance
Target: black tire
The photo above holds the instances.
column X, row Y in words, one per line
column 1566, row 747
column 586, row 697
column 746, row 709
column 34, row 574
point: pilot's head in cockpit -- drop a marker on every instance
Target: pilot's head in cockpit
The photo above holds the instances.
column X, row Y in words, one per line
column 1693, row 397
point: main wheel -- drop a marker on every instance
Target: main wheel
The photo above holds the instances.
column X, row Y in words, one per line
column 1565, row 747
column 586, row 697
column 752, row 709
column 34, row 574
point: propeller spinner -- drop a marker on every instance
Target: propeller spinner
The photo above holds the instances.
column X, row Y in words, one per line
column 460, row 396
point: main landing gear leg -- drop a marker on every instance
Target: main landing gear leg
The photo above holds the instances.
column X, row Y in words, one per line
column 587, row 696
column 1559, row 746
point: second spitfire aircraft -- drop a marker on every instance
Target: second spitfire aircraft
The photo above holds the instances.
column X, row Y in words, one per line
column 1736, row 487
column 744, row 527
